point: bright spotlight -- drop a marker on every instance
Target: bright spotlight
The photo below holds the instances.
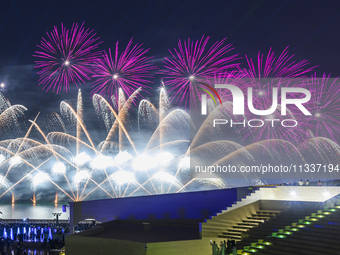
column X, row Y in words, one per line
column 39, row 178
column 326, row 194
column 293, row 193
column 115, row 76
column 143, row 163
column 317, row 114
column 123, row 157
column 59, row 168
column 67, row 63
column 165, row 158
column 14, row 161
column 81, row 159
column 121, row 177
column 191, row 77
column 81, row 176
column 102, row 162
column 2, row 85
column 260, row 93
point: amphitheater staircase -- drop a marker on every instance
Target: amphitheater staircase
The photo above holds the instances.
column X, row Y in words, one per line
column 240, row 229
column 235, row 221
column 296, row 232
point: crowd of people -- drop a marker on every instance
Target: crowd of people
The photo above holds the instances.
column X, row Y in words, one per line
column 225, row 248
column 302, row 182
column 15, row 238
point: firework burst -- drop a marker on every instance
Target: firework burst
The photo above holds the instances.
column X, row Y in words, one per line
column 192, row 63
column 265, row 77
column 128, row 70
column 66, row 57
column 276, row 68
column 324, row 107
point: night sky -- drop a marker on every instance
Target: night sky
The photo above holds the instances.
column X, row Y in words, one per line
column 310, row 28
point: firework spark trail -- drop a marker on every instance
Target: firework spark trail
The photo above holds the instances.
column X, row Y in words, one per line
column 122, row 116
column 53, row 151
column 277, row 68
column 11, row 112
column 64, row 104
column 79, row 125
column 170, row 144
column 60, row 121
column 35, row 168
column 140, row 186
column 155, row 135
column 146, row 110
column 164, row 106
column 75, row 166
column 23, row 141
column 78, row 131
column 129, row 70
column 109, row 136
column 56, row 185
column 67, row 57
column 80, row 118
column 103, row 111
column 120, row 123
column 269, row 130
column 87, row 181
column 25, row 176
column 191, row 63
column 53, row 136
column 173, row 118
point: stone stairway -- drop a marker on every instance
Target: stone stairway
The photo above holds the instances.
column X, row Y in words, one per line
column 297, row 233
column 237, row 231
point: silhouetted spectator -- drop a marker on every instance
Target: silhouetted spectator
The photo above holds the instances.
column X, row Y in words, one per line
column 229, row 247
column 234, row 250
column 214, row 247
column 222, row 245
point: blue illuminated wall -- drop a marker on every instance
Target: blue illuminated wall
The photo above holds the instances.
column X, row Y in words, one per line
column 189, row 205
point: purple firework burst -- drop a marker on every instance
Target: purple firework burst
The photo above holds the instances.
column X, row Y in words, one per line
column 263, row 77
column 66, row 57
column 193, row 63
column 274, row 68
column 273, row 126
column 233, row 77
column 128, row 70
column 324, row 106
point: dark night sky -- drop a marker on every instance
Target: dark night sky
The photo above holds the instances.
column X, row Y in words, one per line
column 311, row 28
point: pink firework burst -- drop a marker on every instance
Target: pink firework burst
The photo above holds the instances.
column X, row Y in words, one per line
column 273, row 126
column 193, row 63
column 265, row 76
column 276, row 67
column 233, row 77
column 128, row 70
column 66, row 58
column 324, row 107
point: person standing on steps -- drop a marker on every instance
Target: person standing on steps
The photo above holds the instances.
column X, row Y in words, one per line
column 214, row 247
column 222, row 245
